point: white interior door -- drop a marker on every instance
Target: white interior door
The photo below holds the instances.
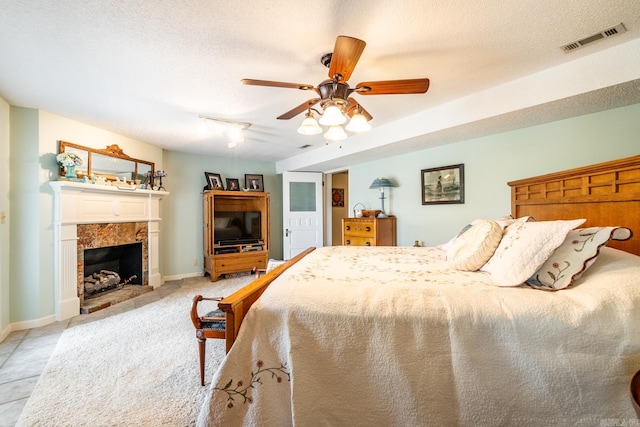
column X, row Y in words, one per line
column 302, row 222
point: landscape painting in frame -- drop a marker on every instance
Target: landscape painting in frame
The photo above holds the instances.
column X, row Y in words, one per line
column 443, row 185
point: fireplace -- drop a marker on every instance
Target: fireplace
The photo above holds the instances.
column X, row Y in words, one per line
column 91, row 216
column 110, row 268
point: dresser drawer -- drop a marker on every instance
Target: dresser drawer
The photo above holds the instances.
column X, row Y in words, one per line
column 369, row 231
column 358, row 241
column 363, row 228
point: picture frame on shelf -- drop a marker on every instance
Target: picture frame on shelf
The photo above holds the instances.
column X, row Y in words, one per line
column 233, row 184
column 443, row 185
column 253, row 182
column 214, row 181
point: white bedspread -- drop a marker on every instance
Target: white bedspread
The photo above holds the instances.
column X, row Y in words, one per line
column 364, row 336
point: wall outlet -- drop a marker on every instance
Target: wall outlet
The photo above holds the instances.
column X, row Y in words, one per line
column 194, row 262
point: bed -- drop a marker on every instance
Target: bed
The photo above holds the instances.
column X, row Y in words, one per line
column 399, row 336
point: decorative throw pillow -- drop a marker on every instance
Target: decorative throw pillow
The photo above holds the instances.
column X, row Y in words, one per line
column 472, row 249
column 572, row 258
column 524, row 247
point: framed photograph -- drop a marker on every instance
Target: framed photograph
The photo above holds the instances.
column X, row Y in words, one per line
column 233, row 184
column 214, row 181
column 443, row 185
column 337, row 197
column 253, row 182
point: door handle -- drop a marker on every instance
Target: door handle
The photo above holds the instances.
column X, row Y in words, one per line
column 286, row 232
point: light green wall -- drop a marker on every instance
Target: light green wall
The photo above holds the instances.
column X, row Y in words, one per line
column 182, row 209
column 490, row 162
column 25, row 290
column 4, row 227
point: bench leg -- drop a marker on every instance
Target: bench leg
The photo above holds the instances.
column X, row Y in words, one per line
column 201, row 352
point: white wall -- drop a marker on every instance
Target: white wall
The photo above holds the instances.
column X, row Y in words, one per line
column 491, row 162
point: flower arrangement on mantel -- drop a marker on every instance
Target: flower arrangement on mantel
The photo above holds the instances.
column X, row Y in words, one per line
column 68, row 159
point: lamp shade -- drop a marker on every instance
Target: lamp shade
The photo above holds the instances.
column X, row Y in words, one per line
column 309, row 126
column 335, row 133
column 358, row 123
column 381, row 183
column 332, row 116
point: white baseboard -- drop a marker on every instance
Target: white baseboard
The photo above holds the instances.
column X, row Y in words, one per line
column 27, row 324
column 5, row 332
column 181, row 276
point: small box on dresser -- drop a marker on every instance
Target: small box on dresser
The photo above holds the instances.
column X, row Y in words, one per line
column 369, row 231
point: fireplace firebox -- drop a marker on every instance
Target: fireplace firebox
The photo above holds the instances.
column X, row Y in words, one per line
column 110, row 268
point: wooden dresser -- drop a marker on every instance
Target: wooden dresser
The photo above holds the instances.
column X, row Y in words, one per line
column 369, row 231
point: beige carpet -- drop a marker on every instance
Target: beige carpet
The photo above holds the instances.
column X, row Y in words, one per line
column 138, row 368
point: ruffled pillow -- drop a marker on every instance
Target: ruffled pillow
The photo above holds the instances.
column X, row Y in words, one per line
column 571, row 259
column 524, row 247
column 472, row 249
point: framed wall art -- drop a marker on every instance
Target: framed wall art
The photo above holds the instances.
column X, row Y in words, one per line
column 233, row 184
column 214, row 181
column 253, row 182
column 337, row 197
column 443, row 185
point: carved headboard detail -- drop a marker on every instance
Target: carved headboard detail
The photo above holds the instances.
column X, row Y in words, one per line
column 606, row 194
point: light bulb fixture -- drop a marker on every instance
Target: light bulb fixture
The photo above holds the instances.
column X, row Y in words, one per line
column 335, row 133
column 332, row 116
column 358, row 123
column 382, row 183
column 309, row 125
column 235, row 133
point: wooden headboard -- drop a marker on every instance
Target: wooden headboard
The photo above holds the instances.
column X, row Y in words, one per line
column 606, row 194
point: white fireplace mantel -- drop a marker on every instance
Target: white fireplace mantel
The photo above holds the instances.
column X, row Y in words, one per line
column 81, row 203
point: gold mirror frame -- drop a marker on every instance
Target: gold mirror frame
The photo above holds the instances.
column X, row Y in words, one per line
column 110, row 163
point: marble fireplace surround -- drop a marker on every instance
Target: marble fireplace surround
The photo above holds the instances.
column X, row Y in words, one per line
column 78, row 203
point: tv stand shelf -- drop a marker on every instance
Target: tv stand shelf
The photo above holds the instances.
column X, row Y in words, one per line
column 234, row 258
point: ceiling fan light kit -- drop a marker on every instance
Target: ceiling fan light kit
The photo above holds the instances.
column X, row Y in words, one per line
column 309, row 125
column 335, row 92
column 332, row 116
column 335, row 133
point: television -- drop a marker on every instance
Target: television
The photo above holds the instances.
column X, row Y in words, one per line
column 237, row 227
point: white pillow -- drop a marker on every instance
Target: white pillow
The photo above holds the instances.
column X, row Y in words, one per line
column 524, row 247
column 472, row 249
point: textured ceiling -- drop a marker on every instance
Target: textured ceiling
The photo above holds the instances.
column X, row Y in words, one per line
column 149, row 69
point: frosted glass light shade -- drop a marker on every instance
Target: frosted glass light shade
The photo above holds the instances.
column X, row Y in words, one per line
column 309, row 126
column 332, row 116
column 335, row 133
column 358, row 123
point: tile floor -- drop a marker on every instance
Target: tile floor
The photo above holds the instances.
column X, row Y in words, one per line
column 24, row 354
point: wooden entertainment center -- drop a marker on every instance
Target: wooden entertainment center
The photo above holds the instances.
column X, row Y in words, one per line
column 248, row 251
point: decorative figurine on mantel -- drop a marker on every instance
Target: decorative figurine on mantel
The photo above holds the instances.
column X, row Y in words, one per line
column 159, row 175
column 69, row 161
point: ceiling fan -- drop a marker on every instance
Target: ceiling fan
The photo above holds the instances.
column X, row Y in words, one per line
column 336, row 91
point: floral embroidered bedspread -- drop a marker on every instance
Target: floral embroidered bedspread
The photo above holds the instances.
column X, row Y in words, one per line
column 364, row 336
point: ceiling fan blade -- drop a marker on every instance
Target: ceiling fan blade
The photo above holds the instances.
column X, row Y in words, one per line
column 299, row 109
column 391, row 87
column 346, row 54
column 354, row 107
column 254, row 82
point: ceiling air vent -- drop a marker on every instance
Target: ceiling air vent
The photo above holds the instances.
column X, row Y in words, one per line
column 618, row 29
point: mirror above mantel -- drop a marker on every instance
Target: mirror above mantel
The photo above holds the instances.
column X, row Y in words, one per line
column 110, row 163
